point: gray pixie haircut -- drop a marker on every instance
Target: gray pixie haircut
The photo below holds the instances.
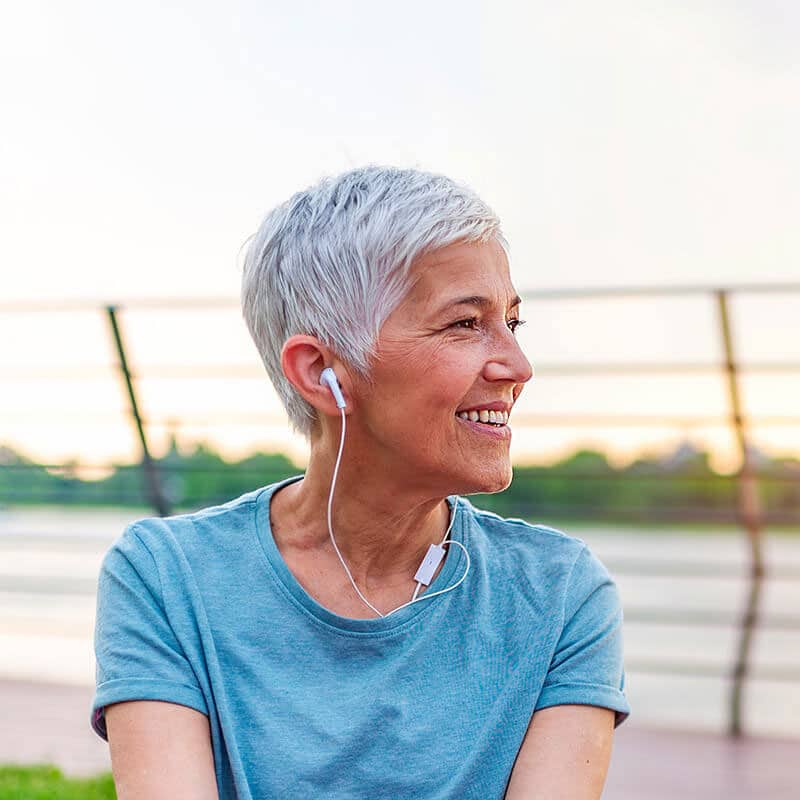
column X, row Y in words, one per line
column 334, row 261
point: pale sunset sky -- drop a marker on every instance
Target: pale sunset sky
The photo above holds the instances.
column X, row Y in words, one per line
column 621, row 143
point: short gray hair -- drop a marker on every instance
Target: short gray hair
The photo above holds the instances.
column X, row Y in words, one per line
column 334, row 261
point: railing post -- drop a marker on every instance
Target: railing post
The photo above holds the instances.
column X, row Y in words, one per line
column 749, row 513
column 155, row 491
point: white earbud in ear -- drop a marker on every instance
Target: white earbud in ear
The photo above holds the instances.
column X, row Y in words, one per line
column 328, row 377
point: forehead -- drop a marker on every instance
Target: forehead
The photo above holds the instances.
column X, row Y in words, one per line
column 458, row 270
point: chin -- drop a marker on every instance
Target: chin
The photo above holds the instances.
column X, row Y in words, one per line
column 499, row 486
column 489, row 483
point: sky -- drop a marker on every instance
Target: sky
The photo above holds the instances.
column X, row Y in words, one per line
column 623, row 143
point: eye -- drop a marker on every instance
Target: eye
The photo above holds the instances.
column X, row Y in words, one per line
column 471, row 320
column 513, row 324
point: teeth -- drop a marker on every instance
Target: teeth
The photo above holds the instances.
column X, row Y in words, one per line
column 493, row 417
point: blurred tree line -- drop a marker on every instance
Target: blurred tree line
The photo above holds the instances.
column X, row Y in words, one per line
column 681, row 486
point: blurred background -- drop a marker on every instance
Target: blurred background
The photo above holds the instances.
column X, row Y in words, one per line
column 642, row 157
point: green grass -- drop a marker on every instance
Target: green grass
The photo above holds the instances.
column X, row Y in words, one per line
column 46, row 782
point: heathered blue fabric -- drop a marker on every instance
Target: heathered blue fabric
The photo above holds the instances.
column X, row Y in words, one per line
column 428, row 703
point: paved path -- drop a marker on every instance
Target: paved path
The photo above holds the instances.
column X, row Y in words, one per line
column 649, row 764
column 46, row 722
column 42, row 722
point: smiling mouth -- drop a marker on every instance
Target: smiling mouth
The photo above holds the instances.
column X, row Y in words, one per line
column 463, row 415
column 494, row 430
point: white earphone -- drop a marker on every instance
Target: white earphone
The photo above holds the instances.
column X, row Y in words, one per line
column 435, row 552
column 328, row 377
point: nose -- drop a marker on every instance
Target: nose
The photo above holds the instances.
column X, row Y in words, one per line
column 508, row 362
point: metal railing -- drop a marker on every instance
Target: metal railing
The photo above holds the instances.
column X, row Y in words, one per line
column 748, row 511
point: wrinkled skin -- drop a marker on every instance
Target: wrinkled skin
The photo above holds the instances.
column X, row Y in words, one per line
column 405, row 450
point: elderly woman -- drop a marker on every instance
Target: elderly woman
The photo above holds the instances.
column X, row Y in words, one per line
column 320, row 636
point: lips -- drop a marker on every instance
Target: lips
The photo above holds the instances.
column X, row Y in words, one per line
column 499, row 432
column 489, row 405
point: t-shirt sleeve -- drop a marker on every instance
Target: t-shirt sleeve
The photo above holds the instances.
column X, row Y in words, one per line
column 138, row 656
column 587, row 666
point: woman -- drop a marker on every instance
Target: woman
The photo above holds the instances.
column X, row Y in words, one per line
column 318, row 637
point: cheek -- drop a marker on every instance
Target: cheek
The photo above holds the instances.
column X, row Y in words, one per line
column 414, row 385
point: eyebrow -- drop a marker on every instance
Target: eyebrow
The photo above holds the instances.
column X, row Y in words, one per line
column 474, row 300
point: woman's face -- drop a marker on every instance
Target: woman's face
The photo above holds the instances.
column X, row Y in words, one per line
column 436, row 358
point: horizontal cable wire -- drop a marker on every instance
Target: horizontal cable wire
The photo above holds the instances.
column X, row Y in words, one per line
column 766, row 673
column 204, row 303
column 202, row 372
column 522, row 419
column 550, row 474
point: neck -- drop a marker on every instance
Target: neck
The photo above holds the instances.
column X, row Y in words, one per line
column 382, row 526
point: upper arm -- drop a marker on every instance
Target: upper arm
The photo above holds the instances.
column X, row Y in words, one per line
column 565, row 754
column 149, row 702
column 140, row 645
column 587, row 664
column 160, row 751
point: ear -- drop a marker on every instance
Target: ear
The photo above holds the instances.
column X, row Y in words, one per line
column 302, row 359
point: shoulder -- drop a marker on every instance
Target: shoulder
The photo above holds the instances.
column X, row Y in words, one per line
column 547, row 557
column 221, row 512
column 514, row 536
column 192, row 534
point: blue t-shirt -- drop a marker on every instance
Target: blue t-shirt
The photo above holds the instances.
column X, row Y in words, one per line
column 430, row 702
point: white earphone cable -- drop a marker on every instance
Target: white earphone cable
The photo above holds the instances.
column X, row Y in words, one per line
column 414, row 599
